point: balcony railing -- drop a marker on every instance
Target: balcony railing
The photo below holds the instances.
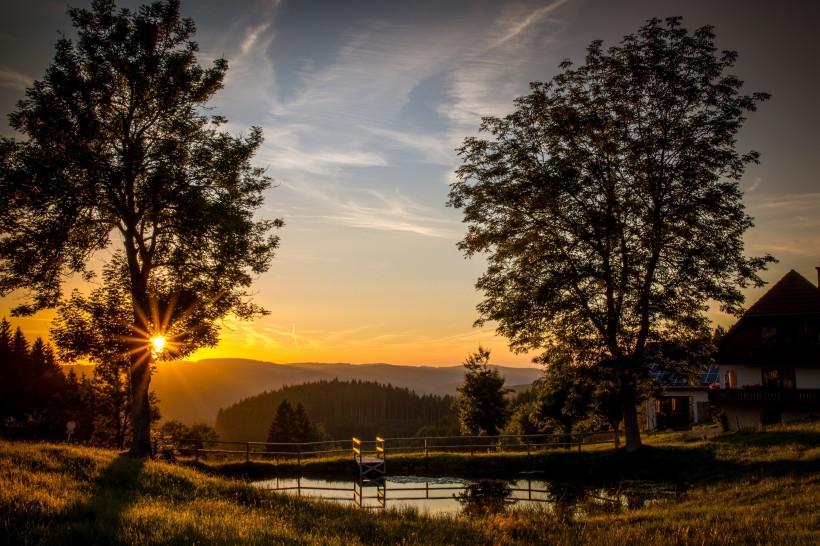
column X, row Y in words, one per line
column 786, row 399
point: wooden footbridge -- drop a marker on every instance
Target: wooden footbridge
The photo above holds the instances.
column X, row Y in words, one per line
column 372, row 471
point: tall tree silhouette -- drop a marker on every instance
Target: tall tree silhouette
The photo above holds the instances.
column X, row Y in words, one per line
column 608, row 205
column 119, row 142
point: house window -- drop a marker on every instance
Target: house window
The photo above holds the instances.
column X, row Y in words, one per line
column 768, row 334
column 779, row 378
column 730, row 379
column 787, row 379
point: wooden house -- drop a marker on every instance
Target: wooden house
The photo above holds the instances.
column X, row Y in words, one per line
column 769, row 361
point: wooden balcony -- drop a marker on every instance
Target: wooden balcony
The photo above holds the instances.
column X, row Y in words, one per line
column 783, row 399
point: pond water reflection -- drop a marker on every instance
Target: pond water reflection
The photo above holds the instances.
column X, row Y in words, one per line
column 476, row 497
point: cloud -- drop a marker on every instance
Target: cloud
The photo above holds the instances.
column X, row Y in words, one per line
column 12, row 79
column 784, row 224
column 252, row 36
column 392, row 212
column 519, row 45
column 518, row 25
column 246, row 335
column 360, row 108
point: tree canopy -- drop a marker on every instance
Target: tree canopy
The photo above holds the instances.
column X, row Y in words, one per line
column 121, row 152
column 608, row 205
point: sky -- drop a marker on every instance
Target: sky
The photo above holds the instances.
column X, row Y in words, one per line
column 363, row 104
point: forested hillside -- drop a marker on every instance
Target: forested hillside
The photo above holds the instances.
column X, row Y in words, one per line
column 192, row 392
column 345, row 409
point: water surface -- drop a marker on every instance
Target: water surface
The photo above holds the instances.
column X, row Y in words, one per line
column 450, row 495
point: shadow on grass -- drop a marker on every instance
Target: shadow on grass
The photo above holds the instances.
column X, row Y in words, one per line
column 98, row 520
column 721, row 460
column 770, row 438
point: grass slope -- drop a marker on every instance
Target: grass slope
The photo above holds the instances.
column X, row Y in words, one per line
column 760, row 488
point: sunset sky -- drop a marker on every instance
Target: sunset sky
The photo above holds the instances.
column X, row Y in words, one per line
column 363, row 103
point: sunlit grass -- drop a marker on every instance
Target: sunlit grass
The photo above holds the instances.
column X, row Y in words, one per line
column 758, row 488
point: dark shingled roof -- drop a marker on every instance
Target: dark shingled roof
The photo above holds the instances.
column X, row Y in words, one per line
column 793, row 294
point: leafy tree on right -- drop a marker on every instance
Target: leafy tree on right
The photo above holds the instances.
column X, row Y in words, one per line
column 608, row 206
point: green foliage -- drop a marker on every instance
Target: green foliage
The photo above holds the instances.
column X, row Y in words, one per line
column 118, row 143
column 345, row 409
column 608, row 205
column 481, row 402
column 198, row 431
column 293, row 426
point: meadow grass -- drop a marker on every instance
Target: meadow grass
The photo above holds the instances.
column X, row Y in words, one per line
column 748, row 488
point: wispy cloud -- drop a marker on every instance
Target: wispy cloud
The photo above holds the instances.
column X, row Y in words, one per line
column 784, row 224
column 12, row 79
column 520, row 23
column 512, row 52
column 394, row 212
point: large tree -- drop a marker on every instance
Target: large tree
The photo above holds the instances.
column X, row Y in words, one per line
column 121, row 147
column 608, row 205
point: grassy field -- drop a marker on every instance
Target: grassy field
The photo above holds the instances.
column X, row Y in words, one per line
column 748, row 488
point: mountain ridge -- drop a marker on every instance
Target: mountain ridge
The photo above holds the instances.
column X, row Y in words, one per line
column 194, row 391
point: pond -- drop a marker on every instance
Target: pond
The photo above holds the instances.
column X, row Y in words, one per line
column 453, row 496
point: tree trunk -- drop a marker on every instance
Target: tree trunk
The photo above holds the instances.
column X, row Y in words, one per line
column 141, row 407
column 632, row 432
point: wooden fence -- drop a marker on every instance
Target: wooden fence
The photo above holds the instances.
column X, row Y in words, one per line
column 259, row 450
column 528, row 443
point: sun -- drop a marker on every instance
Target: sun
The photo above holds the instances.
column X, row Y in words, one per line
column 157, row 345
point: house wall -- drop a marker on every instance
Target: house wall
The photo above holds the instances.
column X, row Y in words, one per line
column 746, row 375
column 742, row 418
column 807, row 378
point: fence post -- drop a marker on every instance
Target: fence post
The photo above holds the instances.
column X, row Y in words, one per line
column 247, row 452
column 299, row 456
column 426, row 453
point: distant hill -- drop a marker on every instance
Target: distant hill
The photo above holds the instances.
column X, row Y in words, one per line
column 194, row 391
column 344, row 409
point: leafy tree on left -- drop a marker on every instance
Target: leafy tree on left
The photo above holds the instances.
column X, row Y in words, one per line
column 119, row 147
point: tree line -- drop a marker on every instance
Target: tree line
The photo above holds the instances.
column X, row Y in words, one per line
column 38, row 399
column 344, row 408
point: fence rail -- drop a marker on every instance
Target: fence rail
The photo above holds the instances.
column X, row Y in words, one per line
column 475, row 444
column 259, row 450
column 380, row 447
